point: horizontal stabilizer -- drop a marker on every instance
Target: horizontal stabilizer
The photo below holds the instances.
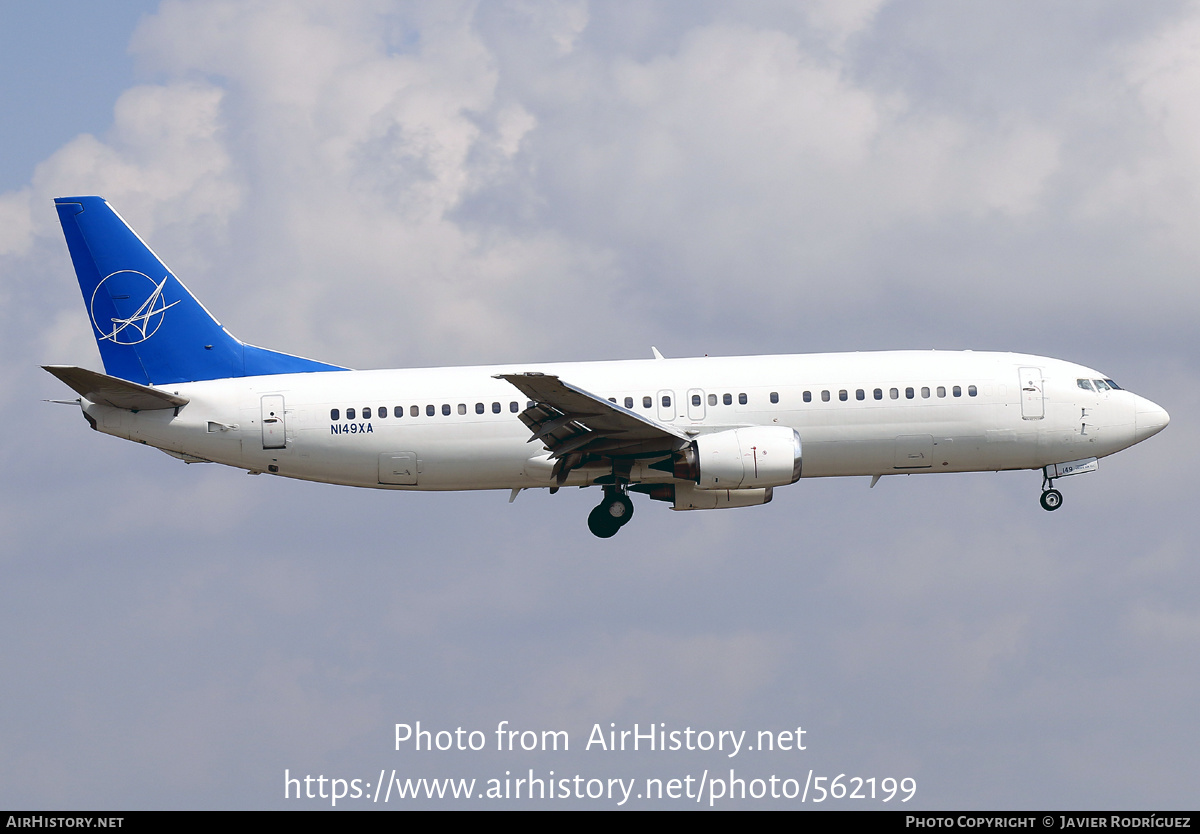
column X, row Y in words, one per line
column 119, row 393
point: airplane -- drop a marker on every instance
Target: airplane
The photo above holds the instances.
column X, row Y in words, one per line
column 697, row 433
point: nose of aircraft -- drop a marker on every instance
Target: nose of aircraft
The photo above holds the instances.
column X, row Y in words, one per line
column 1149, row 419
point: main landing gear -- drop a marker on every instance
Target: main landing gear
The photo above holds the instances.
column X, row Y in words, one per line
column 1051, row 498
column 611, row 514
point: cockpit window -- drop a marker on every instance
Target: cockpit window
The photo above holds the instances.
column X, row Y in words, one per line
column 1114, row 385
column 1085, row 384
column 1101, row 385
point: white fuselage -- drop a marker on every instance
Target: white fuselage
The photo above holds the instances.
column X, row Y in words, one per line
column 856, row 413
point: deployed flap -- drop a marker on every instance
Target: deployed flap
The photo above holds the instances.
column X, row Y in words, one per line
column 119, row 393
column 567, row 419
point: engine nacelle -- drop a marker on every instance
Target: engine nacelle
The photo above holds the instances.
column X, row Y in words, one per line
column 690, row 497
column 749, row 458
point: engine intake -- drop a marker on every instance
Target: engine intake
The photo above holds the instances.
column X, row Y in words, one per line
column 749, row 458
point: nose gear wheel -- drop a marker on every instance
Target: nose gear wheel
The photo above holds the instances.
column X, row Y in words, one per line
column 1051, row 499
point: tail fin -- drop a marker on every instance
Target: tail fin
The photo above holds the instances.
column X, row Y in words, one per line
column 149, row 328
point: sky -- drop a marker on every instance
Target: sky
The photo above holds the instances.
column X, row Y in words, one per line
column 384, row 184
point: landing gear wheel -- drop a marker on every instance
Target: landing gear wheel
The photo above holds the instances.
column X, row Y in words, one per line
column 1051, row 499
column 613, row 513
column 601, row 522
column 619, row 508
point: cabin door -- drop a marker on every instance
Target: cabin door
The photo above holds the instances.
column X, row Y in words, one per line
column 1033, row 400
column 274, row 428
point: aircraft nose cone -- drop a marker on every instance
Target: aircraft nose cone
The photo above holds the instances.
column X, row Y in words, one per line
column 1149, row 419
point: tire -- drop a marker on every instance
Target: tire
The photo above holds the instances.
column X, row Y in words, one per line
column 1051, row 500
column 601, row 523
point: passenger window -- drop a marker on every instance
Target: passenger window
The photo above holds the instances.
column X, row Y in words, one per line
column 514, row 407
column 445, row 409
column 383, row 411
column 860, row 394
column 842, row 395
column 666, row 401
column 629, row 402
column 824, row 396
column 696, row 399
column 367, row 413
column 774, row 396
column 349, row 413
column 430, row 410
column 335, row 414
column 727, row 399
column 925, row 393
column 742, row 399
column 894, row 393
column 479, row 409
column 647, row 402
column 972, row 390
column 909, row 393
column 495, row 408
column 712, row 399
column 878, row 393
column 957, row 390
column 414, row 411
column 807, row 396
column 941, row 390
column 612, row 400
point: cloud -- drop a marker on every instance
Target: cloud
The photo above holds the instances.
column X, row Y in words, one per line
column 1158, row 186
column 361, row 157
column 399, row 184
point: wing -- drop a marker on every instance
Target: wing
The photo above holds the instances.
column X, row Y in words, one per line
column 573, row 423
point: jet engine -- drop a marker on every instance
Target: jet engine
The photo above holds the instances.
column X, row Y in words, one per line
column 747, row 458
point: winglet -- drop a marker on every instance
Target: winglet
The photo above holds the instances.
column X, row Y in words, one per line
column 657, row 355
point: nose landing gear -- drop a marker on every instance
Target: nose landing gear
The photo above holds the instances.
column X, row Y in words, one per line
column 613, row 513
column 1051, row 498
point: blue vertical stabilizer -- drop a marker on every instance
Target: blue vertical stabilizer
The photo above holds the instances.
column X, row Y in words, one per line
column 150, row 329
